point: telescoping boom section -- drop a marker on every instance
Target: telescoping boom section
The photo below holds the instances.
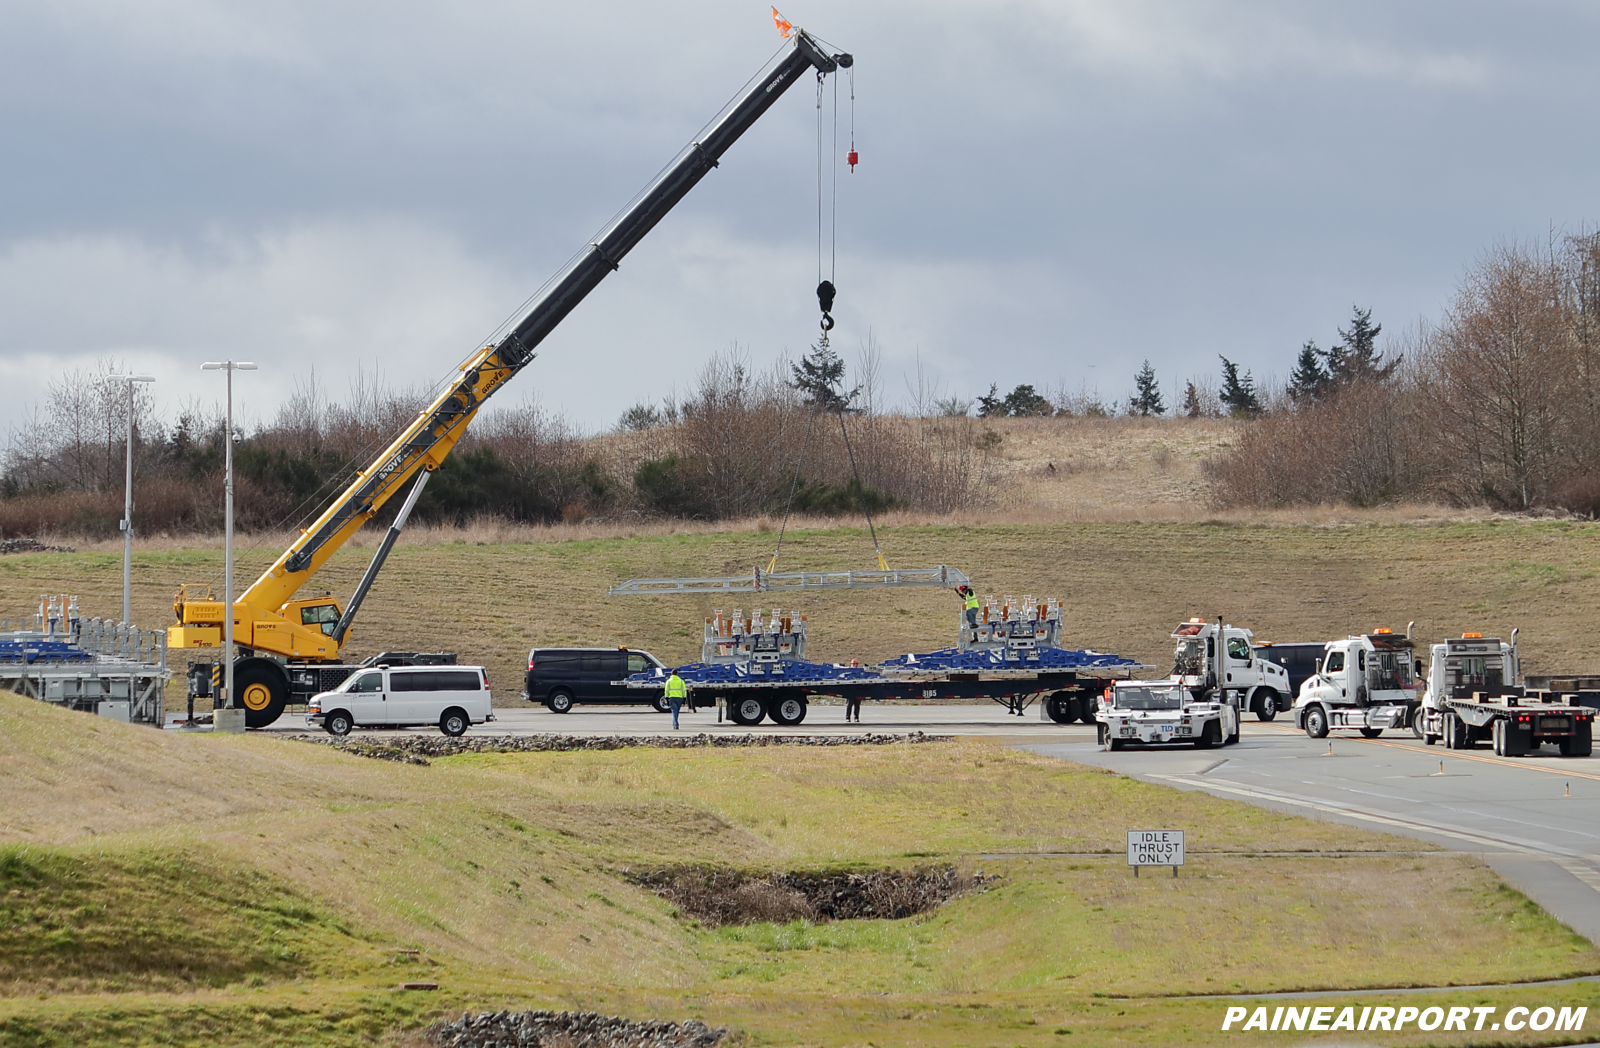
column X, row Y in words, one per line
column 267, row 618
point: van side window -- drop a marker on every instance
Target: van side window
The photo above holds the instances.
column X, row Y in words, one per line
column 1335, row 662
column 372, row 681
column 592, row 662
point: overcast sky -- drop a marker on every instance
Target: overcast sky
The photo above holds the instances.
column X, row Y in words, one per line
column 1049, row 192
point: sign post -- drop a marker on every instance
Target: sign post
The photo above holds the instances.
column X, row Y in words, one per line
column 1155, row 848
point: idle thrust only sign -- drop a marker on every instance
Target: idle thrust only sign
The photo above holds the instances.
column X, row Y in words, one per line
column 1155, row 848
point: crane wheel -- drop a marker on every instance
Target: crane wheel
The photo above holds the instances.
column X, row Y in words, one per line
column 262, row 690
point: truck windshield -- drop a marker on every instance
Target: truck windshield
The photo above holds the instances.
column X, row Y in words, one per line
column 1170, row 698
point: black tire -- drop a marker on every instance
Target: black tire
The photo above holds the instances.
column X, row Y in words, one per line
column 661, row 704
column 1234, row 738
column 1062, row 707
column 1371, row 733
column 560, row 701
column 1266, row 704
column 1457, row 733
column 1316, row 722
column 263, row 690
column 1102, row 735
column 1116, row 744
column 454, row 722
column 746, row 710
column 787, row 710
column 1210, row 735
column 1416, row 724
column 1088, row 705
column 338, row 724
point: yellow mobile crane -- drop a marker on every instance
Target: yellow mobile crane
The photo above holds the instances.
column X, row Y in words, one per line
column 291, row 647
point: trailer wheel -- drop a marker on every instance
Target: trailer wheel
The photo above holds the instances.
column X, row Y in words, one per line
column 1457, row 734
column 560, row 701
column 1416, row 725
column 788, row 710
column 1371, row 733
column 1316, row 722
column 1062, row 707
column 1266, row 704
column 1210, row 735
column 338, row 723
column 454, row 722
column 263, row 691
column 746, row 711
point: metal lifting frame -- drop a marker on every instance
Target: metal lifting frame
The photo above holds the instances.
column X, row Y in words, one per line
column 789, row 581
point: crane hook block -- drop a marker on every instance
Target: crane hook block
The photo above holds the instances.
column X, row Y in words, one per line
column 825, row 293
column 853, row 158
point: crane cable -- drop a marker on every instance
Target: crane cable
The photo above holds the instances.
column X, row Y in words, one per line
column 825, row 294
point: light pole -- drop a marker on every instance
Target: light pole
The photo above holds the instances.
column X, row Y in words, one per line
column 127, row 508
column 230, row 366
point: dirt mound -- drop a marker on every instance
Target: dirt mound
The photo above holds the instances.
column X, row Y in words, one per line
column 569, row 1030
column 716, row 897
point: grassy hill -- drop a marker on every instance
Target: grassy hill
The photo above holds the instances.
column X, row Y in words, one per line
column 165, row 889
column 1125, row 585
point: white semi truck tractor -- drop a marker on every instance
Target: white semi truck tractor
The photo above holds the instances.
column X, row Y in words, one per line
column 1474, row 694
column 1217, row 662
column 1366, row 682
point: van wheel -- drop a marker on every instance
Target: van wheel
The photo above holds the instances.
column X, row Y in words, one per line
column 661, row 704
column 1266, row 704
column 1371, row 733
column 454, row 722
column 1317, row 722
column 338, row 723
column 560, row 701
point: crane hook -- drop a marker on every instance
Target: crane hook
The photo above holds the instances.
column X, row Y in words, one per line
column 825, row 293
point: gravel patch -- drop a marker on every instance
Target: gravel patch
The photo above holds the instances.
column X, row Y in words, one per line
column 417, row 749
column 569, row 1030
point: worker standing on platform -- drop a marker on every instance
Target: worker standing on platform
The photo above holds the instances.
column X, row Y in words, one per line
column 677, row 691
column 969, row 600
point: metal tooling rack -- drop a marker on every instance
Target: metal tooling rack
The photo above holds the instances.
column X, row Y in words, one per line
column 90, row 665
column 760, row 581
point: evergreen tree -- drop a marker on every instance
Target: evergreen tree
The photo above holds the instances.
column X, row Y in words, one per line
column 818, row 377
column 1310, row 380
column 993, row 405
column 1357, row 358
column 1238, row 393
column 1147, row 394
column 1025, row 400
column 1191, row 401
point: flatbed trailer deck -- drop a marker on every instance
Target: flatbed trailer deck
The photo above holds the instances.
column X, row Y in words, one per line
column 1519, row 724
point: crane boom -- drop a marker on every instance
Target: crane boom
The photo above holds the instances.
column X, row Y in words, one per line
column 265, row 613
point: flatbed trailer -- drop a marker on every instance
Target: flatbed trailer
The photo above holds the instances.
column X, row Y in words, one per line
column 1518, row 724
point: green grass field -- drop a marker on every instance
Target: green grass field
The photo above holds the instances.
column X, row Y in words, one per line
column 1125, row 585
column 157, row 888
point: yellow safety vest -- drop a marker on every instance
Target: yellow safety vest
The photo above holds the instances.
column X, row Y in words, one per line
column 676, row 688
column 972, row 602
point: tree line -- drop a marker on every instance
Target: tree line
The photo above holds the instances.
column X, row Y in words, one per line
column 1491, row 404
column 741, row 442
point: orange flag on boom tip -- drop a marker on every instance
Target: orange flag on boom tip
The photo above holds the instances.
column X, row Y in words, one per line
column 785, row 26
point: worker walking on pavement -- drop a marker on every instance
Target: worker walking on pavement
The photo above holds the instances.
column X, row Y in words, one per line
column 677, row 691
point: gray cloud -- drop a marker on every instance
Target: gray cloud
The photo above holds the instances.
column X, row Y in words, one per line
column 1051, row 191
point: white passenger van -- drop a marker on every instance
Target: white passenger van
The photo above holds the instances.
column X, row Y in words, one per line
column 453, row 697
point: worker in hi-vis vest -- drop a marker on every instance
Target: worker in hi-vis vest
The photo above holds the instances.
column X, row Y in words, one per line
column 969, row 600
column 677, row 692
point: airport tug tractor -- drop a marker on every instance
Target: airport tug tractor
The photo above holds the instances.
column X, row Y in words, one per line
column 1157, row 712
